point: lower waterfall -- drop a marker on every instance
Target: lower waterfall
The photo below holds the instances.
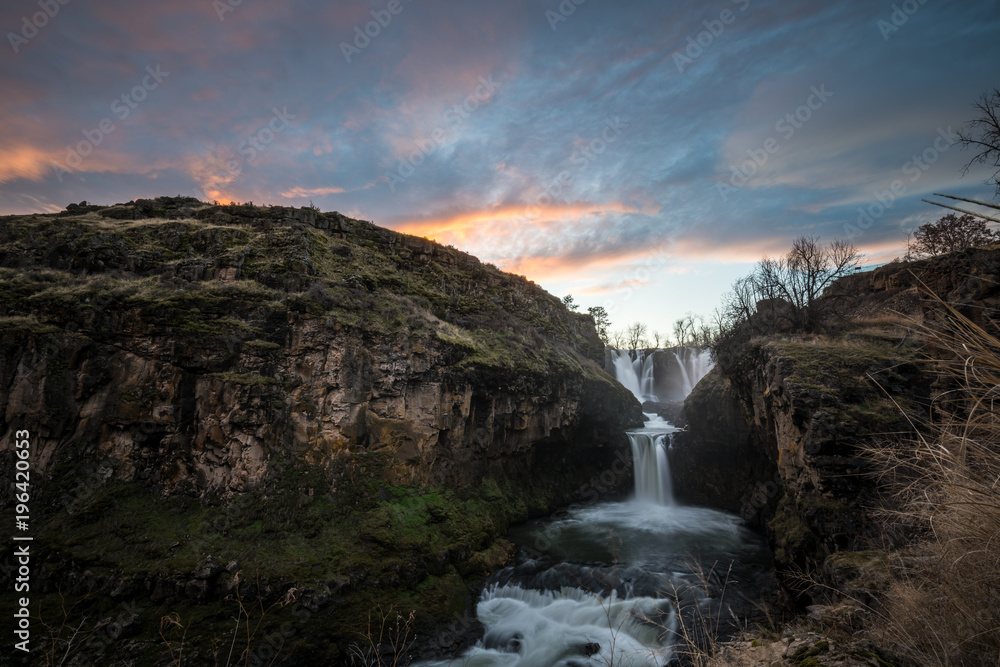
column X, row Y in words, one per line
column 649, row 459
column 611, row 582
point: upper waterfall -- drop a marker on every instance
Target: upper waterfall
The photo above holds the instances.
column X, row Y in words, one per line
column 695, row 363
column 635, row 374
column 661, row 375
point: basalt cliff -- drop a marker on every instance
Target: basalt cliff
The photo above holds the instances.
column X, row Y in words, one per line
column 291, row 417
column 777, row 432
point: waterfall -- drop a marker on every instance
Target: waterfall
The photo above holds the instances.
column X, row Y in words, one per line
column 636, row 375
column 651, row 466
column 694, row 363
column 568, row 626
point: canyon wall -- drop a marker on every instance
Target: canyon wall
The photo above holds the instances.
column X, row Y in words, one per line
column 208, row 386
column 778, row 431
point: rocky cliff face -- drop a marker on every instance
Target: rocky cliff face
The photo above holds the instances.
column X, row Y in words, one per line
column 188, row 351
column 717, row 462
column 172, row 348
column 779, row 436
column 810, row 406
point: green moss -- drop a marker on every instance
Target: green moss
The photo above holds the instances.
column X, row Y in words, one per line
column 249, row 379
column 804, row 656
column 428, row 549
column 792, row 535
column 853, row 373
column 258, row 344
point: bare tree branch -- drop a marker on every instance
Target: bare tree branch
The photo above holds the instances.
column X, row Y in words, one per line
column 983, row 135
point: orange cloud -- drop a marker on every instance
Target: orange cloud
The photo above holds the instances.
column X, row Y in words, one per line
column 641, row 262
column 322, row 192
column 24, row 162
column 461, row 227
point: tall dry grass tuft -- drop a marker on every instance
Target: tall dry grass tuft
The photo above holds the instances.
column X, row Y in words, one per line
column 943, row 604
column 387, row 642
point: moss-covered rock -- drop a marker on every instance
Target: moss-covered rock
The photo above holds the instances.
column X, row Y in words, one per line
column 319, row 413
column 781, row 435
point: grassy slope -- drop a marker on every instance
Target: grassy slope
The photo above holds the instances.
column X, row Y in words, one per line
column 372, row 544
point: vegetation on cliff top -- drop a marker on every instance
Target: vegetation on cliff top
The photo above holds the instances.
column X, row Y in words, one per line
column 225, row 270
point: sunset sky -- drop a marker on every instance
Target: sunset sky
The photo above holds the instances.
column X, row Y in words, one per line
column 589, row 145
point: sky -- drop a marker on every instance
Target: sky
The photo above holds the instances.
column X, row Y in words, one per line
column 637, row 155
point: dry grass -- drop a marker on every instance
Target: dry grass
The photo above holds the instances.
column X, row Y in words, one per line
column 387, row 642
column 943, row 604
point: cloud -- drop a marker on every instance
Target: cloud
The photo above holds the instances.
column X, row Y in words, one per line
column 313, row 192
column 609, row 288
column 24, row 161
column 649, row 198
column 509, row 220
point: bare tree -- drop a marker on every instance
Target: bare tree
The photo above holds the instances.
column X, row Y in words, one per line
column 784, row 291
column 951, row 232
column 657, row 336
column 635, row 334
column 617, row 339
column 801, row 276
column 681, row 331
column 983, row 135
column 742, row 300
column 706, row 335
column 693, row 331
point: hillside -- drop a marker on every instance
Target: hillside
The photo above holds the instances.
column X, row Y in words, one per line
column 303, row 409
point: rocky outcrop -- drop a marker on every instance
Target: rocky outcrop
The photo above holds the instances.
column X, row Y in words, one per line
column 779, row 433
column 716, row 462
column 969, row 280
column 811, row 406
column 199, row 359
column 249, row 378
column 319, row 394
